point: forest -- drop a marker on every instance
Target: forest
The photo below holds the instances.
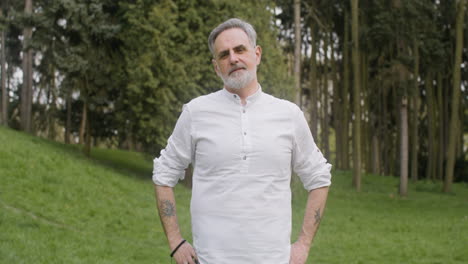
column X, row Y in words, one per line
column 383, row 83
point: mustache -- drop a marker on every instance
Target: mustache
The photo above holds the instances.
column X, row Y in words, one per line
column 235, row 68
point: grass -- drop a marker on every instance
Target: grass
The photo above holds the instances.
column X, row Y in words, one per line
column 57, row 206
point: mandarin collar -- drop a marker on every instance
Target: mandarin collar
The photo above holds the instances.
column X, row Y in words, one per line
column 250, row 99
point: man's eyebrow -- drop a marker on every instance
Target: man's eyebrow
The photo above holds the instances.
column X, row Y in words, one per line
column 222, row 54
column 240, row 47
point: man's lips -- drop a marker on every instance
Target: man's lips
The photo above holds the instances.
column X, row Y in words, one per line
column 236, row 69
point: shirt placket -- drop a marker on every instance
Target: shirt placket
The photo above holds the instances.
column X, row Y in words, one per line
column 245, row 130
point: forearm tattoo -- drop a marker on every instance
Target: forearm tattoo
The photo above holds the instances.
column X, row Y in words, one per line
column 317, row 216
column 167, row 208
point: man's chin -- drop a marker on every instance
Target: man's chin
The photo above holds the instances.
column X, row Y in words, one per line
column 238, row 80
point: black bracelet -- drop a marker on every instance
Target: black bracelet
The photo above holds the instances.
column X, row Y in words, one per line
column 175, row 249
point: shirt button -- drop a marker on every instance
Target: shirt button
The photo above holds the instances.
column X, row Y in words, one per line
column 244, row 158
column 245, row 133
column 235, row 96
column 243, row 111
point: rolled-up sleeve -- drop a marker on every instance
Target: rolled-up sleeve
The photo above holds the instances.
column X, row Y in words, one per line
column 170, row 167
column 308, row 161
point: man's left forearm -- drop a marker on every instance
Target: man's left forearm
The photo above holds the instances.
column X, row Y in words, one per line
column 313, row 215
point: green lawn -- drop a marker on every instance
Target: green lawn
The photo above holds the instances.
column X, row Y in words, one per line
column 56, row 206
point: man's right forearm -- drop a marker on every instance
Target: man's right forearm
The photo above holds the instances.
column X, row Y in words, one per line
column 167, row 213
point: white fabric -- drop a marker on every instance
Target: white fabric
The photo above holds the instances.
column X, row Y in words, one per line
column 242, row 158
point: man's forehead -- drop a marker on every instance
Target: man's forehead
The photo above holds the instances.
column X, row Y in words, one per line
column 231, row 38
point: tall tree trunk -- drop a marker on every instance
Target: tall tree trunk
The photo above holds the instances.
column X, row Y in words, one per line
column 26, row 90
column 414, row 114
column 68, row 123
column 365, row 128
column 4, row 109
column 337, row 111
column 375, row 154
column 441, row 122
column 404, row 149
column 297, row 50
column 84, row 121
column 394, row 149
column 313, row 84
column 325, row 120
column 387, row 141
column 431, row 140
column 455, row 98
column 345, row 97
column 87, row 147
column 356, row 98
column 319, row 98
column 52, row 107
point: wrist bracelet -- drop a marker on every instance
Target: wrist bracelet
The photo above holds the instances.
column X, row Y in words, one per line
column 175, row 249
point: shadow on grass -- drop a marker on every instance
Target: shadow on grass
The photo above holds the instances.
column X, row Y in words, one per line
column 134, row 164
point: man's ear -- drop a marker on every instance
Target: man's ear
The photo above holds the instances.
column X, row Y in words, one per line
column 215, row 66
column 258, row 54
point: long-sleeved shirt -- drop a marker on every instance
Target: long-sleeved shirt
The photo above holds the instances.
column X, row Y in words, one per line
column 242, row 157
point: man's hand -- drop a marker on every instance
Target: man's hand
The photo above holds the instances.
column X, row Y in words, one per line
column 299, row 253
column 186, row 255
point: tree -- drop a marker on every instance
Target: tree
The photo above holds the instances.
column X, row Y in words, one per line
column 161, row 44
column 344, row 96
column 356, row 97
column 415, row 102
column 4, row 93
column 297, row 50
column 26, row 91
column 313, row 87
column 455, row 97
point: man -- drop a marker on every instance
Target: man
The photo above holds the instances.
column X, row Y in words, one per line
column 243, row 144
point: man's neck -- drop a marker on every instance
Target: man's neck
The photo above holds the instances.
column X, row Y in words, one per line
column 245, row 92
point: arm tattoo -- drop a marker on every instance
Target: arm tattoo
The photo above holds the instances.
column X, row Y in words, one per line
column 317, row 216
column 167, row 208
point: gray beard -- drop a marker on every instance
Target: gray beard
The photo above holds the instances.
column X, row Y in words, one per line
column 238, row 80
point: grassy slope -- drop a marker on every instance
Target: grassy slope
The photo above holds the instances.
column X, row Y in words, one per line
column 57, row 206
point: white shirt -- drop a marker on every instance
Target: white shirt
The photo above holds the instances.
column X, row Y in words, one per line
column 242, row 157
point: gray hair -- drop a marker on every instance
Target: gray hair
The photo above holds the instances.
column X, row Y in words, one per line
column 232, row 23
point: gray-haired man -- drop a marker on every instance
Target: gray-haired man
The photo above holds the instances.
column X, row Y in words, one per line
column 243, row 144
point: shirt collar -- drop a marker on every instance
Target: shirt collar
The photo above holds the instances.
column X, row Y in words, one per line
column 250, row 99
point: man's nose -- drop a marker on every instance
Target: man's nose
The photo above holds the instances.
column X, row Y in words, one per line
column 233, row 58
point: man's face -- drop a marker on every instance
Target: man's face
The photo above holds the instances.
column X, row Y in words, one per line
column 235, row 59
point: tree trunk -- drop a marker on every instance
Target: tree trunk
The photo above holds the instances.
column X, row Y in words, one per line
column 26, row 91
column 414, row 115
column 87, row 147
column 83, row 122
column 325, row 117
column 52, row 105
column 387, row 141
column 297, row 50
column 455, row 98
column 4, row 109
column 375, row 154
column 345, row 97
column 431, row 151
column 404, row 149
column 356, row 99
column 313, row 85
column 441, row 122
column 337, row 111
column 68, row 124
column 365, row 128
